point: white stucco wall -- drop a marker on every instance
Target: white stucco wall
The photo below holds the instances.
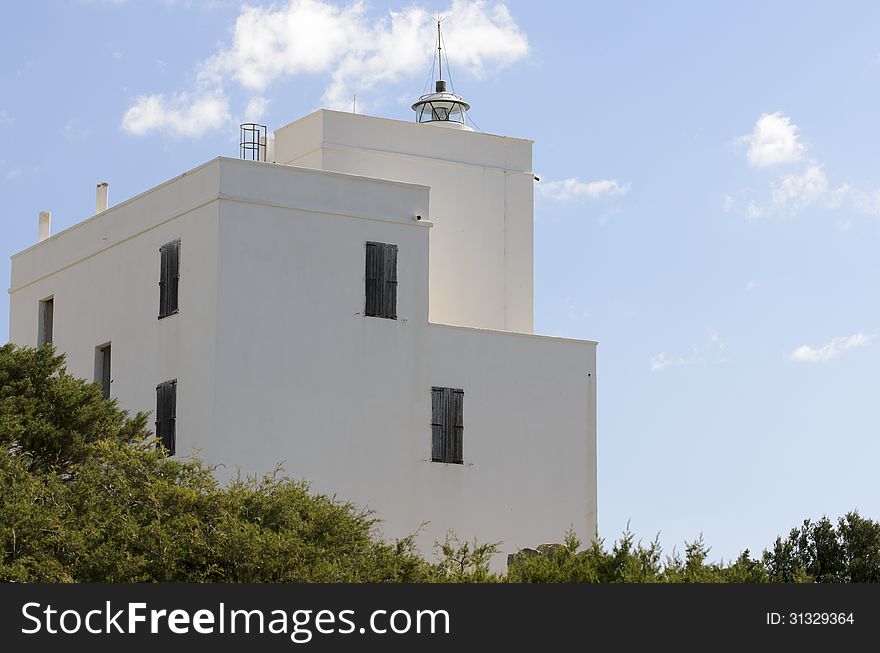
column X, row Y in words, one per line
column 529, row 437
column 276, row 362
column 343, row 400
column 481, row 204
column 104, row 273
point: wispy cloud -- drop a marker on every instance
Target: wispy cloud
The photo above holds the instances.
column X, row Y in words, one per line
column 830, row 350
column 179, row 115
column 661, row 361
column 5, row 119
column 573, row 188
column 360, row 53
column 774, row 140
column 795, row 192
column 256, row 109
column 867, row 202
column 714, row 352
column 608, row 215
column 74, row 131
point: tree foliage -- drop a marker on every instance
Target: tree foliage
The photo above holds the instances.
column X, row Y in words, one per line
column 629, row 561
column 818, row 552
column 86, row 496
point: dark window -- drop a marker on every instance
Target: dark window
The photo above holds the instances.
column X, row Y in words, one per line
column 102, row 368
column 169, row 278
column 166, row 414
column 447, row 425
column 381, row 280
column 46, row 318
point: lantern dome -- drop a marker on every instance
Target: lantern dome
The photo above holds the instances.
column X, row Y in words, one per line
column 442, row 108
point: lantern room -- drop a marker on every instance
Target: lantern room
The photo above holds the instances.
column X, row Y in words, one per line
column 442, row 108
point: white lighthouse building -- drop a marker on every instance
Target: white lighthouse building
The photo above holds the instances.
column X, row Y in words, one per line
column 356, row 305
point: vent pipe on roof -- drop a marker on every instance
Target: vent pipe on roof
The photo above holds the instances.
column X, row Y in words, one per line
column 268, row 144
column 102, row 197
column 45, row 225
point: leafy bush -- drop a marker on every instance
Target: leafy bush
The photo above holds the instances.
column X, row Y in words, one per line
column 86, row 496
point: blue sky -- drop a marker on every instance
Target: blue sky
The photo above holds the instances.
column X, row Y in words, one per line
column 709, row 204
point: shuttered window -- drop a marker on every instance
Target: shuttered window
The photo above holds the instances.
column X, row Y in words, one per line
column 46, row 321
column 169, row 278
column 447, row 425
column 381, row 281
column 102, row 368
column 166, row 414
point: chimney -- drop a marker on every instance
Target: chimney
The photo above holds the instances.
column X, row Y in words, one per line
column 45, row 225
column 102, row 197
column 267, row 149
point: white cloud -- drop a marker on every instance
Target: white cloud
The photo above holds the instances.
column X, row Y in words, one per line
column 751, row 285
column 661, row 361
column 796, row 192
column 573, row 188
column 774, row 140
column 303, row 36
column 255, row 109
column 729, row 203
column 830, row 350
column 607, row 216
column 792, row 193
column 360, row 53
column 720, row 347
column 867, row 202
column 755, row 211
column 180, row 115
column 713, row 353
column 837, row 196
column 5, row 119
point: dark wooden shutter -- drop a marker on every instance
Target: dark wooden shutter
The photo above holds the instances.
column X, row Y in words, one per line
column 50, row 319
column 105, row 371
column 372, row 279
column 447, row 425
column 174, row 276
column 456, row 426
column 47, row 318
column 437, row 421
column 389, row 277
column 166, row 414
column 169, row 278
column 381, row 281
column 163, row 281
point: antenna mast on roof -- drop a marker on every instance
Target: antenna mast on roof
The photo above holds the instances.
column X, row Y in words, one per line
column 442, row 108
column 439, row 50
